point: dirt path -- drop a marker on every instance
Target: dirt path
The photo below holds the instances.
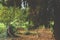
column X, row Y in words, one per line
column 43, row 34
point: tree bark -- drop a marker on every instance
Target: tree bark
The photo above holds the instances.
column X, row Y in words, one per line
column 57, row 20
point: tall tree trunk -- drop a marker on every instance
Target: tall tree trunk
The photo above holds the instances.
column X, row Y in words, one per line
column 43, row 4
column 44, row 16
column 57, row 20
column 34, row 11
column 50, row 11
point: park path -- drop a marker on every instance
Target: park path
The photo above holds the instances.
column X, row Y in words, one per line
column 42, row 34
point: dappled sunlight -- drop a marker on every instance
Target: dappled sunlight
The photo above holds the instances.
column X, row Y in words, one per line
column 26, row 20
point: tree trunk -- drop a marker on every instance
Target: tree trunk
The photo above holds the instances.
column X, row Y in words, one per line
column 57, row 20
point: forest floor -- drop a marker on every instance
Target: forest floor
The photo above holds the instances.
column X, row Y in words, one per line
column 38, row 34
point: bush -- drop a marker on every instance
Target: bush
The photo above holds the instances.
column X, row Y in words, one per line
column 2, row 27
column 3, row 30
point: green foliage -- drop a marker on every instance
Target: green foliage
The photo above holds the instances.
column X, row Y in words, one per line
column 2, row 27
column 2, row 30
column 16, row 16
column 21, row 19
column 51, row 25
column 6, row 15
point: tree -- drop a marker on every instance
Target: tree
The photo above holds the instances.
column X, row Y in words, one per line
column 57, row 22
column 34, row 11
column 38, row 12
column 55, row 4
